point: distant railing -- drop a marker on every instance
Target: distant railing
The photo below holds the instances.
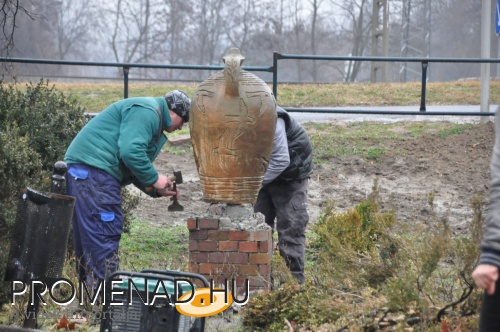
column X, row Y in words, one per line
column 126, row 67
column 274, row 70
column 424, row 62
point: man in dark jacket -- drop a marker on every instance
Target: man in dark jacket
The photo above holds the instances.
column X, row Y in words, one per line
column 283, row 195
column 114, row 149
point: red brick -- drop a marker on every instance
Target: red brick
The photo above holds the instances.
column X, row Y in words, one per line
column 259, row 259
column 228, row 245
column 261, row 235
column 264, row 270
column 237, row 258
column 201, row 234
column 230, row 269
column 240, row 283
column 217, row 257
column 251, row 269
column 208, row 223
column 238, row 235
column 199, row 257
column 216, row 279
column 217, row 235
column 193, row 245
column 263, row 246
column 249, row 247
column 207, row 245
column 220, row 281
column 192, row 224
column 208, row 268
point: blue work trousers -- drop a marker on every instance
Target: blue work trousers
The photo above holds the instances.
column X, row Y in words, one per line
column 97, row 221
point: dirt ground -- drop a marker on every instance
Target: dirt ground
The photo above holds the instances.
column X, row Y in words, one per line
column 451, row 171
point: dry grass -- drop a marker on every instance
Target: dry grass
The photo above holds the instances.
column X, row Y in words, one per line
column 96, row 96
column 379, row 94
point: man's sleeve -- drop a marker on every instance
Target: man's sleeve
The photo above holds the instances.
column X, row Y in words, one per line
column 491, row 240
column 280, row 158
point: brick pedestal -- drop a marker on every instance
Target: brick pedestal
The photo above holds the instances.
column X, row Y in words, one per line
column 220, row 253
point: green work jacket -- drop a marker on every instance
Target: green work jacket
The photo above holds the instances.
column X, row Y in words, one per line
column 123, row 140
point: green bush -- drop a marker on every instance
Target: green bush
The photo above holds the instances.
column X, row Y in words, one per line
column 358, row 229
column 302, row 305
column 367, row 271
column 20, row 162
column 354, row 246
column 48, row 118
column 129, row 203
column 37, row 123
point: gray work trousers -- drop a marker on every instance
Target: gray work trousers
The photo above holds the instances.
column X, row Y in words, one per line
column 488, row 318
column 287, row 203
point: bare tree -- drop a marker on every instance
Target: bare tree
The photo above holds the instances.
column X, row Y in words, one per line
column 314, row 20
column 355, row 29
column 171, row 34
column 130, row 38
column 75, row 20
column 208, row 31
column 10, row 10
column 282, row 29
column 245, row 19
column 201, row 31
column 456, row 32
column 298, row 32
column 31, row 35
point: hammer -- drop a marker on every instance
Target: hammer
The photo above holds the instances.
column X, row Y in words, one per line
column 175, row 179
column 175, row 206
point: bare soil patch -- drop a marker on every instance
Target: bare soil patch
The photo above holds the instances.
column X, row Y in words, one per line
column 445, row 171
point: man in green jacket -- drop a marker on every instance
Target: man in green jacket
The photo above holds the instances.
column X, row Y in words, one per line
column 114, row 149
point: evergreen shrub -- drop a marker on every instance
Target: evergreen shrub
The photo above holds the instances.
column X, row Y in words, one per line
column 37, row 123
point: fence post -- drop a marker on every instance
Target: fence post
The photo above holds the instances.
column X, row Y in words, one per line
column 125, row 82
column 60, row 169
column 425, row 64
column 275, row 75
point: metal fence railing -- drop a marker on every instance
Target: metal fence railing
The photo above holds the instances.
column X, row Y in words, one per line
column 423, row 61
column 125, row 67
column 274, row 70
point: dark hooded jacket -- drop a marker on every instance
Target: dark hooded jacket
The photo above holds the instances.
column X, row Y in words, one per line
column 299, row 148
